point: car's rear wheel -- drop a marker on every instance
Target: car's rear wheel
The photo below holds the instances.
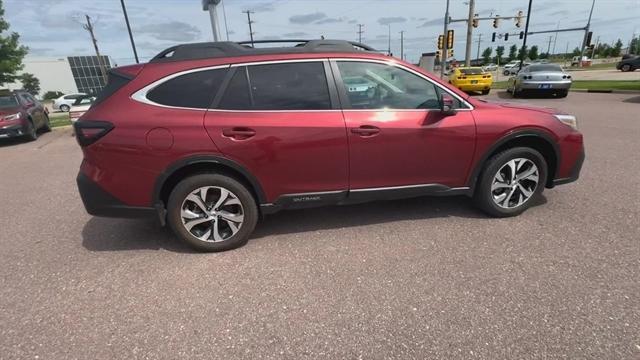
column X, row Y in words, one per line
column 65, row 108
column 505, row 73
column 510, row 182
column 486, row 92
column 212, row 212
column 47, row 123
column 563, row 93
column 625, row 67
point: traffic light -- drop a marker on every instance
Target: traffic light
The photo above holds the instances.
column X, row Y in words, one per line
column 450, row 39
column 493, row 37
column 519, row 18
column 506, row 37
column 475, row 21
column 521, row 35
column 439, row 53
column 588, row 40
column 450, row 53
column 440, row 41
column 496, row 21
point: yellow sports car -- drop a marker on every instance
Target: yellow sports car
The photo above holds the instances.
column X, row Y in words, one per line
column 471, row 79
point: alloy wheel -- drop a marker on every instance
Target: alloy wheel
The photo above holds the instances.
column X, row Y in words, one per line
column 212, row 213
column 515, row 183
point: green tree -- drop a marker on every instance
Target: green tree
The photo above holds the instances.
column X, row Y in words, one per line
column 617, row 48
column 50, row 95
column 634, row 46
column 576, row 51
column 533, row 53
column 30, row 83
column 486, row 55
column 522, row 53
column 11, row 52
column 499, row 54
column 513, row 50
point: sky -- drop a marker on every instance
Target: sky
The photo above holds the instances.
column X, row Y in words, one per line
column 52, row 28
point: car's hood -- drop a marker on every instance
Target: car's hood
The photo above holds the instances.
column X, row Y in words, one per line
column 514, row 105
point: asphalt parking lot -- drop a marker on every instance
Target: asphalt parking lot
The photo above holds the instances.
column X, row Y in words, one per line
column 420, row 278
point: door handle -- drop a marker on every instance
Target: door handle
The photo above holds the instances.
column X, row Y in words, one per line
column 366, row 130
column 238, row 133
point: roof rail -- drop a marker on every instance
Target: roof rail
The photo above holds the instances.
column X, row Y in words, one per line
column 227, row 48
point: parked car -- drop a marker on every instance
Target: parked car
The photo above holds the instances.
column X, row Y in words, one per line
column 513, row 68
column 630, row 63
column 490, row 67
column 64, row 102
column 575, row 61
column 471, row 79
column 21, row 115
column 540, row 78
column 80, row 106
column 186, row 139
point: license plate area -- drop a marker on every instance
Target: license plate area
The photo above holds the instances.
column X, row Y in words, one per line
column 544, row 86
column 474, row 81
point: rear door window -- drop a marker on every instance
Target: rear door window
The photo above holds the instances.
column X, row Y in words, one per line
column 192, row 90
column 284, row 86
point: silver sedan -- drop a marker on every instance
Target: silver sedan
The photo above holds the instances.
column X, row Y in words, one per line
column 540, row 78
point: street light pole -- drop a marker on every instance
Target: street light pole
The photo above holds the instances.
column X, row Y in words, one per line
column 389, row 47
column 467, row 54
column 586, row 32
column 443, row 58
column 126, row 20
column 526, row 31
column 402, row 45
column 210, row 5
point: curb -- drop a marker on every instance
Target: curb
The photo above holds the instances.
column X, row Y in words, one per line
column 607, row 91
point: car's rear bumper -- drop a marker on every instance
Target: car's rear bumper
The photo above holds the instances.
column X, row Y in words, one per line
column 8, row 131
column 475, row 87
column 574, row 174
column 547, row 85
column 98, row 202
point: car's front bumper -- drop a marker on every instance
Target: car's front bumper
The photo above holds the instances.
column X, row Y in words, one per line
column 545, row 85
column 574, row 174
column 8, row 131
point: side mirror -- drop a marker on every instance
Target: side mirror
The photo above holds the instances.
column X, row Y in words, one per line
column 447, row 105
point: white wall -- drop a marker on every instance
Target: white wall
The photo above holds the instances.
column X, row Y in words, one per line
column 54, row 74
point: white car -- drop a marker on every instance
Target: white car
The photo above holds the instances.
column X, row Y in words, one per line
column 513, row 67
column 64, row 102
column 490, row 67
column 80, row 106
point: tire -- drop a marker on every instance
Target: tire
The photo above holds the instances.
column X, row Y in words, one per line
column 516, row 199
column 506, row 73
column 625, row 67
column 563, row 93
column 47, row 124
column 65, row 108
column 30, row 132
column 485, row 92
column 218, row 233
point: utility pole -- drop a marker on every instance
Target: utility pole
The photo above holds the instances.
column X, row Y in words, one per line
column 549, row 46
column 360, row 32
column 586, row 32
column 593, row 52
column 126, row 20
column 389, row 47
column 249, row 12
column 224, row 16
column 479, row 42
column 467, row 61
column 443, row 58
column 211, row 5
column 526, row 31
column 89, row 27
column 402, row 45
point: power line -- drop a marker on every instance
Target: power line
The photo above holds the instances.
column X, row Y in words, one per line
column 249, row 12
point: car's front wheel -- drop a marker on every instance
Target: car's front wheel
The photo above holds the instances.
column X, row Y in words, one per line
column 510, row 181
column 65, row 108
column 212, row 212
column 625, row 67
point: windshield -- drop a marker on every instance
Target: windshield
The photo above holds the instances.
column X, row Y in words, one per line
column 471, row 71
column 8, row 101
column 544, row 67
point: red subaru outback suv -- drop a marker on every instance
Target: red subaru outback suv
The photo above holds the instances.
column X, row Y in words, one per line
column 208, row 137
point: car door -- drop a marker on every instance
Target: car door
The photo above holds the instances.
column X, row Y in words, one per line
column 397, row 134
column 282, row 122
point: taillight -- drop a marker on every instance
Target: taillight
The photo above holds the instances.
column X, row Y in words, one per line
column 88, row 132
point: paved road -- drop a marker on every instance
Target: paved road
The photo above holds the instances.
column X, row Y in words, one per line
column 421, row 278
column 605, row 75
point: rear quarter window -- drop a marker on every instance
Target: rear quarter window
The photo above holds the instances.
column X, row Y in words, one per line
column 192, row 90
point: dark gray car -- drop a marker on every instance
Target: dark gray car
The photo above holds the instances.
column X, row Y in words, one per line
column 540, row 78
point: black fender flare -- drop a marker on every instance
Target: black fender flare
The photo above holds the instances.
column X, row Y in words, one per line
column 473, row 178
column 204, row 159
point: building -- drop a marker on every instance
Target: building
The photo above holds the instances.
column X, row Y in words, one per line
column 68, row 75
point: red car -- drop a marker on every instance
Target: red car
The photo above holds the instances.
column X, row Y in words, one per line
column 21, row 115
column 208, row 137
